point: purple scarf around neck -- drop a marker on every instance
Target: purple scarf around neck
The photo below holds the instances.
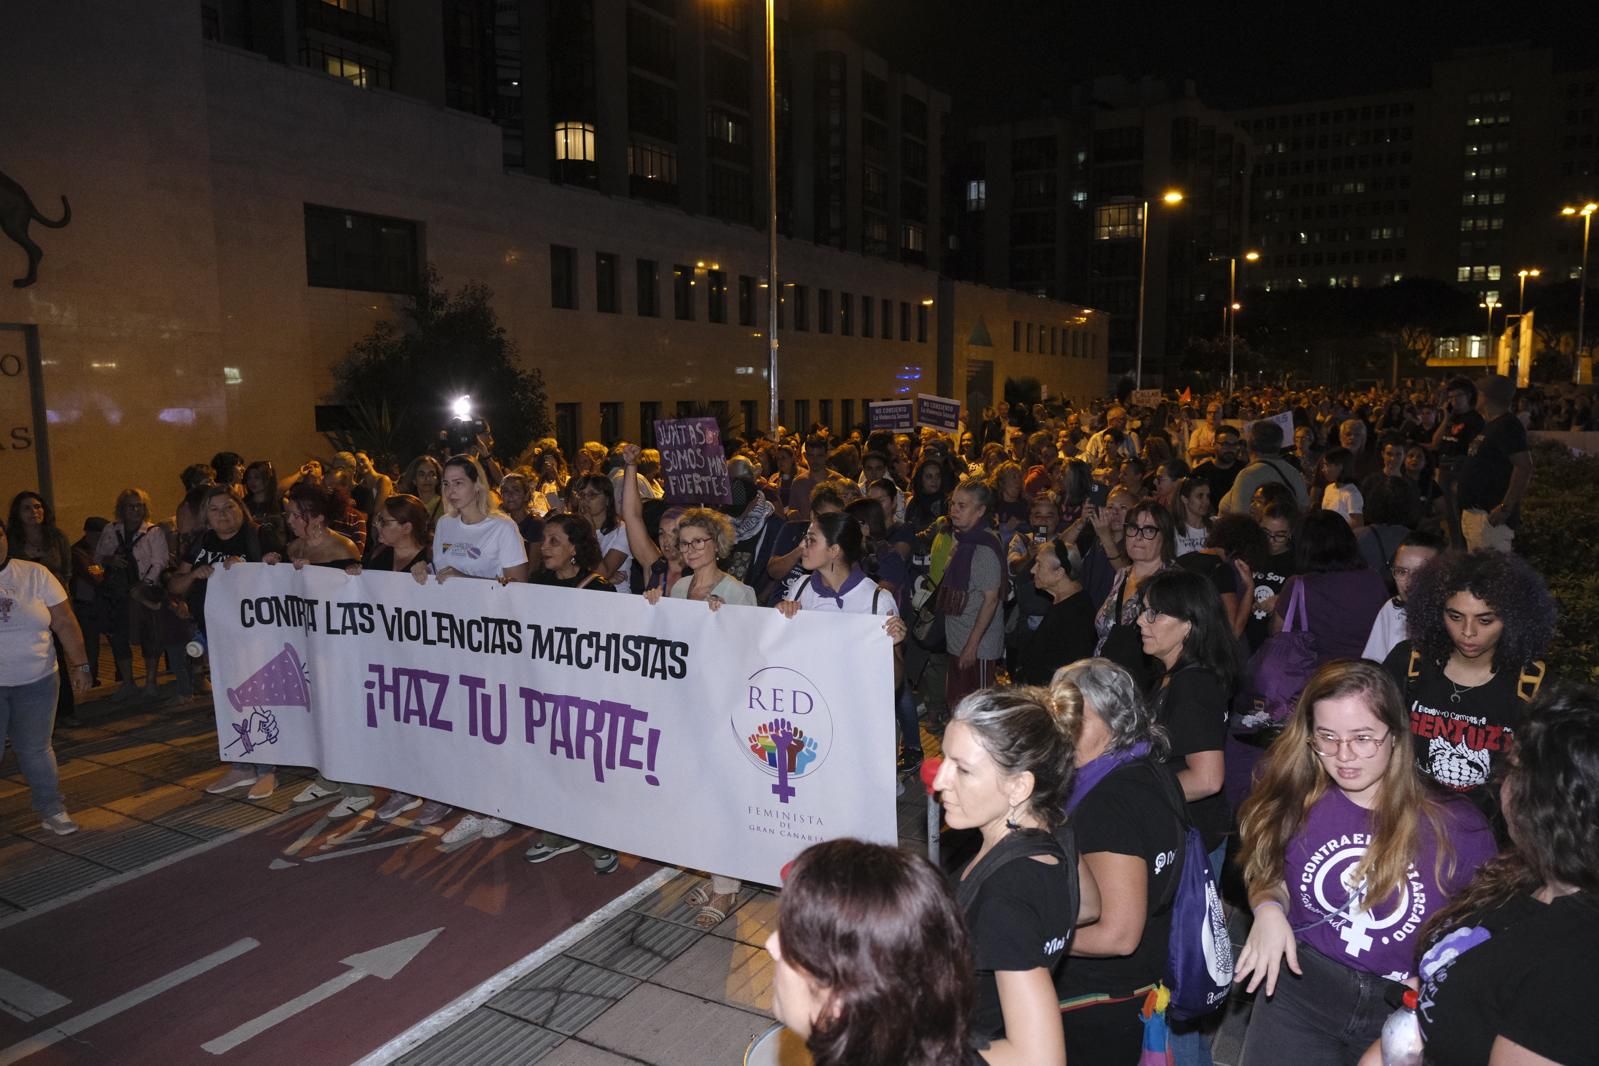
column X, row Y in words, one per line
column 1099, row 769
column 819, row 586
column 952, row 588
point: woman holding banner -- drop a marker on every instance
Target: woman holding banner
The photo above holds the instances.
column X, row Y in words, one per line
column 594, row 497
column 705, row 537
column 473, row 539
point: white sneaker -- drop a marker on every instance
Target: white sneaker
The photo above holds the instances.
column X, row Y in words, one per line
column 350, row 805
column 60, row 823
column 236, row 777
column 495, row 827
column 469, row 827
column 313, row 792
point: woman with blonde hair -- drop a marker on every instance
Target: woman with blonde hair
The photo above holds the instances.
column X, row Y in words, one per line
column 1345, row 854
column 135, row 553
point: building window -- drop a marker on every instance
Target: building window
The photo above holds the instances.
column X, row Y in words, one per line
column 904, row 321
column 606, row 297
column 563, row 277
column 977, row 194
column 824, row 310
column 921, row 324
column 685, row 408
column 1015, row 336
column 751, row 413
column 746, row 300
column 652, row 162
column 362, row 71
column 1118, row 221
column 683, row 292
column 846, row 313
column 867, row 304
column 610, row 423
column 574, row 142
column 369, row 253
column 802, row 416
column 716, row 294
column 802, row 308
column 726, row 127
column 824, row 413
column 846, row 415
column 728, row 195
column 913, row 237
column 569, row 426
column 888, row 320
column 648, row 412
column 648, row 288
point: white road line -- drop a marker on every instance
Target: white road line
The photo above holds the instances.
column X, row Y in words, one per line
column 472, row 999
column 27, row 1000
column 383, row 963
column 366, row 847
column 109, row 1009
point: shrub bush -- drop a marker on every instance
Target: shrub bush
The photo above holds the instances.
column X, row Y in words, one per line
column 1559, row 535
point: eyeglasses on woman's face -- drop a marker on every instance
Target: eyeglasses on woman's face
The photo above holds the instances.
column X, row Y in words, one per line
column 1142, row 532
column 695, row 544
column 1363, row 746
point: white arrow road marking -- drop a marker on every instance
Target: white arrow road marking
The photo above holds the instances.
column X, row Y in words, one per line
column 22, row 998
column 383, row 962
column 75, row 1025
column 368, row 847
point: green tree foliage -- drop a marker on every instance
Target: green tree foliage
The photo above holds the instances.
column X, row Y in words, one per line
column 397, row 383
column 1559, row 516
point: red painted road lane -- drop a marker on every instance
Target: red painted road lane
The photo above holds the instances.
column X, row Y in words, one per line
column 492, row 905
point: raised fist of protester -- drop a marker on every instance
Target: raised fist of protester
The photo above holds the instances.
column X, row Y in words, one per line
column 630, row 454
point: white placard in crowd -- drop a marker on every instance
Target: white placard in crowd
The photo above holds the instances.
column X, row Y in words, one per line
column 723, row 741
column 1284, row 419
column 1146, row 398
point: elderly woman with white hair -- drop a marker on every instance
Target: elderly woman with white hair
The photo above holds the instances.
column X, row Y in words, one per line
column 1124, row 809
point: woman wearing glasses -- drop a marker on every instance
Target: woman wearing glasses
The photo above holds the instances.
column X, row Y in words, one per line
column 594, row 497
column 704, row 537
column 1150, row 546
column 1346, row 853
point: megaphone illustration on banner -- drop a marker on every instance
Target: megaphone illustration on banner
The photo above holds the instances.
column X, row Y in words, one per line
column 280, row 683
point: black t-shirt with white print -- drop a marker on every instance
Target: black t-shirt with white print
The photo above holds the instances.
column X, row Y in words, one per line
column 1022, row 919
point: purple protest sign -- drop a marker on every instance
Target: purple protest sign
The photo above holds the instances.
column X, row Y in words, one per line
column 693, row 465
column 894, row 415
column 938, row 412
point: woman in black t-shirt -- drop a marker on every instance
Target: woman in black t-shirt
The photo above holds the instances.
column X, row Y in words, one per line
column 1129, row 833
column 1007, row 771
column 1065, row 633
column 1507, row 974
column 403, row 535
column 1479, row 623
column 870, row 959
column 571, row 555
column 1183, row 628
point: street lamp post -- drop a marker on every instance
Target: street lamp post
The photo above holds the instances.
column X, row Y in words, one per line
column 1171, row 196
column 1521, row 296
column 1488, row 340
column 1232, row 310
column 772, row 291
column 1584, row 374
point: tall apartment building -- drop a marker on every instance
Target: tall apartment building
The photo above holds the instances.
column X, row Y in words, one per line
column 664, row 100
column 1054, row 206
column 1461, row 181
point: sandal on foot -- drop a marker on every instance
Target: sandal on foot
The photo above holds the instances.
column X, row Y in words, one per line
column 714, row 913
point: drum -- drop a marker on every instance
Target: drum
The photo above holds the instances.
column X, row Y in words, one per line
column 778, row 1046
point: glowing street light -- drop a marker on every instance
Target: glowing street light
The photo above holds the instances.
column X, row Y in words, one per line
column 1521, row 296
column 1584, row 372
column 1171, row 197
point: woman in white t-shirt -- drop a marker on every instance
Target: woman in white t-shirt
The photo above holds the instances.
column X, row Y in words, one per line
column 831, row 553
column 1191, row 509
column 33, row 605
column 1342, row 495
column 594, row 497
column 473, row 538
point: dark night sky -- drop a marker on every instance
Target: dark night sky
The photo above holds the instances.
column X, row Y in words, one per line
column 1006, row 57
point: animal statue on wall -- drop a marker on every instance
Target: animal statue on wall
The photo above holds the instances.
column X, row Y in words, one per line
column 16, row 213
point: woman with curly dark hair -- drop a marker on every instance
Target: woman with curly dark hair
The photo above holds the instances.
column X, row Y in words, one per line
column 1479, row 625
column 1507, row 972
column 870, row 959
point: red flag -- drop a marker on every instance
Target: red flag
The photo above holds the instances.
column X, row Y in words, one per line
column 1186, row 397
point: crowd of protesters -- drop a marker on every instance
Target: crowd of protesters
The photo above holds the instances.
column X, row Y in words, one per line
column 1293, row 621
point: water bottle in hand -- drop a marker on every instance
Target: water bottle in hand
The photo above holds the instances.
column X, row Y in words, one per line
column 1401, row 1034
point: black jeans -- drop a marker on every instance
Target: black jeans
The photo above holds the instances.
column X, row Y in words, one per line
column 1328, row 1017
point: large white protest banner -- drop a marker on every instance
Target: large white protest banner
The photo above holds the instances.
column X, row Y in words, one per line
column 724, row 741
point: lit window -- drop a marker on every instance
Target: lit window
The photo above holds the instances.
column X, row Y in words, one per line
column 1118, row 221
column 574, row 141
column 913, row 237
column 652, row 162
column 976, row 195
column 1493, row 273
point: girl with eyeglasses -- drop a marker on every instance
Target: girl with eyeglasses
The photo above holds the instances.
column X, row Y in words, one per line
column 1346, row 853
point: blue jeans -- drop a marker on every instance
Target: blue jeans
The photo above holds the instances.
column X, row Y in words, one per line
column 1328, row 1017
column 28, row 714
column 909, row 731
